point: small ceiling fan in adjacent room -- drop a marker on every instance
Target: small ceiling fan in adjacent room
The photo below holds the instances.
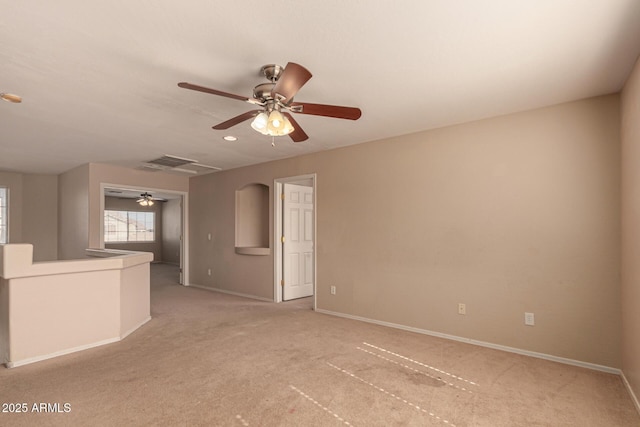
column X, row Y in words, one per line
column 147, row 199
column 276, row 103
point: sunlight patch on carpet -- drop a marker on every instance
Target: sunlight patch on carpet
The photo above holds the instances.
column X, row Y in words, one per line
column 421, row 364
column 393, row 395
column 319, row 405
column 242, row 420
column 414, row 370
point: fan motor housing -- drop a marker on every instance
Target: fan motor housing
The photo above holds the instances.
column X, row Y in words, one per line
column 263, row 91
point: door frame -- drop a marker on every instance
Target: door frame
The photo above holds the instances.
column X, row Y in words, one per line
column 184, row 242
column 278, row 185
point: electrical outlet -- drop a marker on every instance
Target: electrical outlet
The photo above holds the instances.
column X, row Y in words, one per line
column 209, row 236
column 529, row 319
column 333, row 290
column 462, row 308
column 209, row 272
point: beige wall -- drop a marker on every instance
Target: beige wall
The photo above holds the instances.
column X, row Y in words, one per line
column 40, row 215
column 630, row 101
column 135, row 298
column 154, row 247
column 511, row 214
column 81, row 315
column 33, row 212
column 171, row 231
column 73, row 213
column 212, row 210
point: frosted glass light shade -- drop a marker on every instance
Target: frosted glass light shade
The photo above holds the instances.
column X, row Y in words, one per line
column 276, row 123
column 260, row 123
column 288, row 127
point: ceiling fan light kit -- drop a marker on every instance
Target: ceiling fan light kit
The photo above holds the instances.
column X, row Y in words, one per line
column 276, row 100
column 145, row 200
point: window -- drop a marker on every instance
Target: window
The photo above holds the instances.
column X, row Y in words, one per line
column 4, row 232
column 129, row 226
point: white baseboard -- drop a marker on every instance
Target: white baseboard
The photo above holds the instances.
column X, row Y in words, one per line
column 60, row 353
column 29, row 360
column 132, row 330
column 224, row 291
column 631, row 392
column 550, row 357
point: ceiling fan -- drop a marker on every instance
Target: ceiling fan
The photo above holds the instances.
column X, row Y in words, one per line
column 147, row 199
column 276, row 101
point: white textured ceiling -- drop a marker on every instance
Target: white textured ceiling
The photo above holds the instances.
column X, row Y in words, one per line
column 99, row 79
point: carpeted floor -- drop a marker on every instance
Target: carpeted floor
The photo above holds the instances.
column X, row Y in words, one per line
column 218, row 360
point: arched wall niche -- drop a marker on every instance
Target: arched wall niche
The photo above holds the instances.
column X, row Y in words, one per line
column 252, row 220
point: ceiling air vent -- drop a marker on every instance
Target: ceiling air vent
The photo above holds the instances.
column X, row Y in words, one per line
column 174, row 164
column 150, row 168
column 171, row 161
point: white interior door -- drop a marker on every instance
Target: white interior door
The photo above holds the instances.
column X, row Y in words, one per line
column 297, row 247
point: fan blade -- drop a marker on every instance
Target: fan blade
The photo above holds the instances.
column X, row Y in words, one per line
column 336, row 111
column 186, row 85
column 237, row 119
column 289, row 83
column 298, row 135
